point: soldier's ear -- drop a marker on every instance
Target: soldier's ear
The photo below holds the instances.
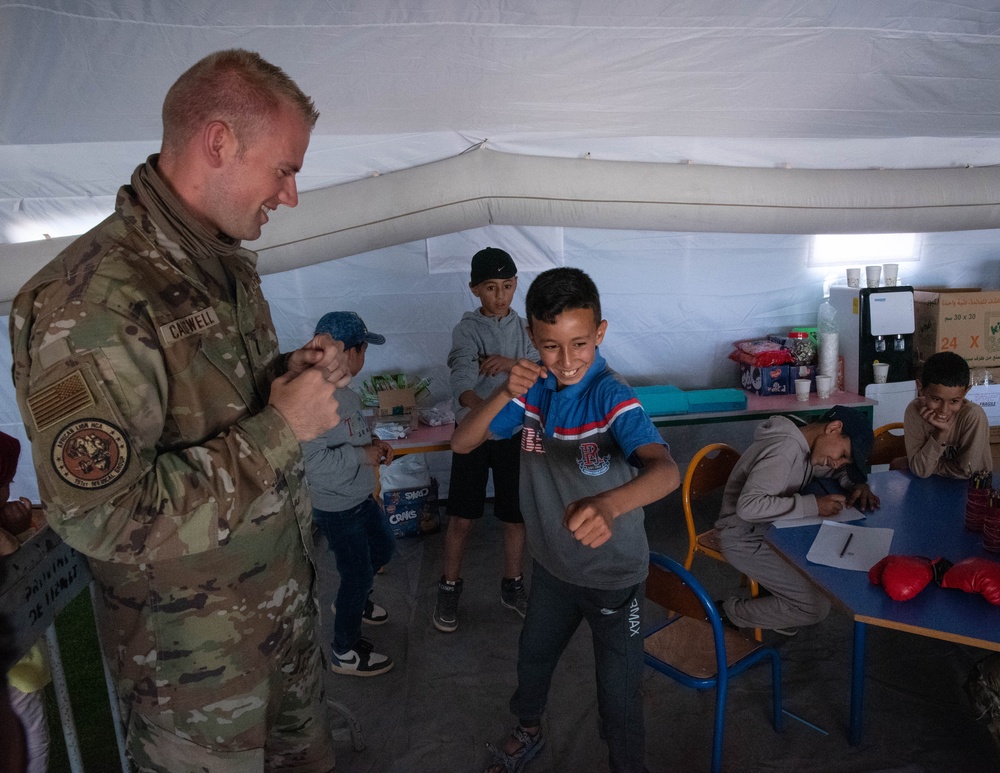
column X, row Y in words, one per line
column 219, row 144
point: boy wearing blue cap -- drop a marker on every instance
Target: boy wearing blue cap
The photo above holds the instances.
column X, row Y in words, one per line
column 340, row 469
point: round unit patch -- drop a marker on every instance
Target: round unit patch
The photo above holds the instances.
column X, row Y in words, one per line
column 90, row 453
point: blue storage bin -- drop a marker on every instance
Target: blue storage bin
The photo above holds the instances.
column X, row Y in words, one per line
column 662, row 400
column 710, row 400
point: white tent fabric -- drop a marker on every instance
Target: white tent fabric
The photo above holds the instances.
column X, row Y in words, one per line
column 816, row 85
column 585, row 113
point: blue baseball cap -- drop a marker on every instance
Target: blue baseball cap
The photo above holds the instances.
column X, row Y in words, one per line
column 348, row 327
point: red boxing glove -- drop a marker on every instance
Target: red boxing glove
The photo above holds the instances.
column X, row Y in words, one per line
column 903, row 577
column 975, row 575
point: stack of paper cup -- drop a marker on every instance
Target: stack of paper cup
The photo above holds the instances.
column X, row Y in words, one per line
column 828, row 344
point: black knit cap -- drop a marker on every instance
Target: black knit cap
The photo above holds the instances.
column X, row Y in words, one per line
column 492, row 263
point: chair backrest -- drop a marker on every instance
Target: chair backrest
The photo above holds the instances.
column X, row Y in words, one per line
column 693, row 647
column 887, row 444
column 667, row 587
column 676, row 589
column 709, row 470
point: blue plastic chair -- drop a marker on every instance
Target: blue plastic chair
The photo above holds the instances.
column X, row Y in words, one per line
column 694, row 648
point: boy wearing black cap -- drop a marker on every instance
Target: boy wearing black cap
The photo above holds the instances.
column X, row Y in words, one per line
column 485, row 345
column 340, row 469
column 767, row 484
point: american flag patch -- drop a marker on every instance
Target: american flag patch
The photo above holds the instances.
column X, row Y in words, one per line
column 64, row 398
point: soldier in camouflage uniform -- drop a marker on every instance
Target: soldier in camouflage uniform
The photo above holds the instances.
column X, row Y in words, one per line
column 166, row 430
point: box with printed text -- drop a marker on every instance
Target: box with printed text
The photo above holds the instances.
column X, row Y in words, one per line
column 775, row 379
column 967, row 323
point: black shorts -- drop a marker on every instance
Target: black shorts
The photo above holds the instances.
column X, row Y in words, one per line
column 470, row 474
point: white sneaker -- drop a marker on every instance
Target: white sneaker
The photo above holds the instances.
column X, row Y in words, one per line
column 374, row 614
column 360, row 661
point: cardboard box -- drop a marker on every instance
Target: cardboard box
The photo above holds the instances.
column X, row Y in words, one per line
column 995, row 447
column 775, row 379
column 398, row 405
column 987, row 397
column 967, row 323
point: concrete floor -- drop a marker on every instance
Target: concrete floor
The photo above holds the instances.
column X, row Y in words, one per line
column 448, row 693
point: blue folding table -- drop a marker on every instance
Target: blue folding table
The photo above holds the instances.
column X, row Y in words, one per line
column 927, row 516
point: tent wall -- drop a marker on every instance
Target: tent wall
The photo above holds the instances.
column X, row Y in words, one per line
column 675, row 302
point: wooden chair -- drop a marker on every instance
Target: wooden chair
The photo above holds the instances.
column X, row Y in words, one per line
column 694, row 648
column 708, row 471
column 887, row 444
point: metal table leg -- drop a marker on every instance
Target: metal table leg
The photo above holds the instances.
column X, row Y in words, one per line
column 858, row 683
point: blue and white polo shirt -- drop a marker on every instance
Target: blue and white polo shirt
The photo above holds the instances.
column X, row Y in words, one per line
column 576, row 442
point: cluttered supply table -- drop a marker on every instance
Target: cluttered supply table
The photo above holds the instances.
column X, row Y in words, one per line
column 425, row 439
column 927, row 516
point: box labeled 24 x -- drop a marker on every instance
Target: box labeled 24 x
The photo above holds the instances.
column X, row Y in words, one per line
column 398, row 405
column 775, row 379
column 967, row 323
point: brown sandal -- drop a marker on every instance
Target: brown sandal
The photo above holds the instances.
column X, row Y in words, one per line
column 528, row 746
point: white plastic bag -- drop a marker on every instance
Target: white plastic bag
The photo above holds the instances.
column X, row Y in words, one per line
column 405, row 472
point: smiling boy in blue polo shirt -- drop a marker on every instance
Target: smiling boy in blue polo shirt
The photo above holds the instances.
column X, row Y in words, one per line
column 590, row 460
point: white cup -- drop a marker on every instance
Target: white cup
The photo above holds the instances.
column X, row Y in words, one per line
column 824, row 385
column 891, row 271
column 854, row 277
column 873, row 273
column 802, row 387
column 881, row 372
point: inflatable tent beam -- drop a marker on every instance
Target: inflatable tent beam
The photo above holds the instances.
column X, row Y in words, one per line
column 484, row 187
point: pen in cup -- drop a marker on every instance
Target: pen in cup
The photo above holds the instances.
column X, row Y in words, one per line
column 844, row 549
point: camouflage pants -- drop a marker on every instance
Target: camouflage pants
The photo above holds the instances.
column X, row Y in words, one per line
column 244, row 733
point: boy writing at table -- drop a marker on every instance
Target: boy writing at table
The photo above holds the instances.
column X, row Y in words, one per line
column 945, row 434
column 766, row 485
column 590, row 460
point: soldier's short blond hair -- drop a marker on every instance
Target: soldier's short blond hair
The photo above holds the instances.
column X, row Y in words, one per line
column 235, row 86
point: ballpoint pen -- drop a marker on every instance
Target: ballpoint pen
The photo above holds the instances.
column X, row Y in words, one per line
column 844, row 549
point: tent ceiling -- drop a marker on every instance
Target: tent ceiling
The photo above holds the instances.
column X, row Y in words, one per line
column 848, row 85
column 97, row 71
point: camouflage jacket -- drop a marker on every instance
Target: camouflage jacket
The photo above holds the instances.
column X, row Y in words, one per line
column 143, row 385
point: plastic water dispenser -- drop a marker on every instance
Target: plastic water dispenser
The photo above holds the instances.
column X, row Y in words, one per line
column 876, row 324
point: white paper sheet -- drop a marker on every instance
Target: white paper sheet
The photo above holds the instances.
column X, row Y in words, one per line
column 849, row 547
column 844, row 516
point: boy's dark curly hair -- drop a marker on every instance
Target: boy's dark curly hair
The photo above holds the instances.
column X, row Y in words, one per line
column 945, row 368
column 559, row 289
